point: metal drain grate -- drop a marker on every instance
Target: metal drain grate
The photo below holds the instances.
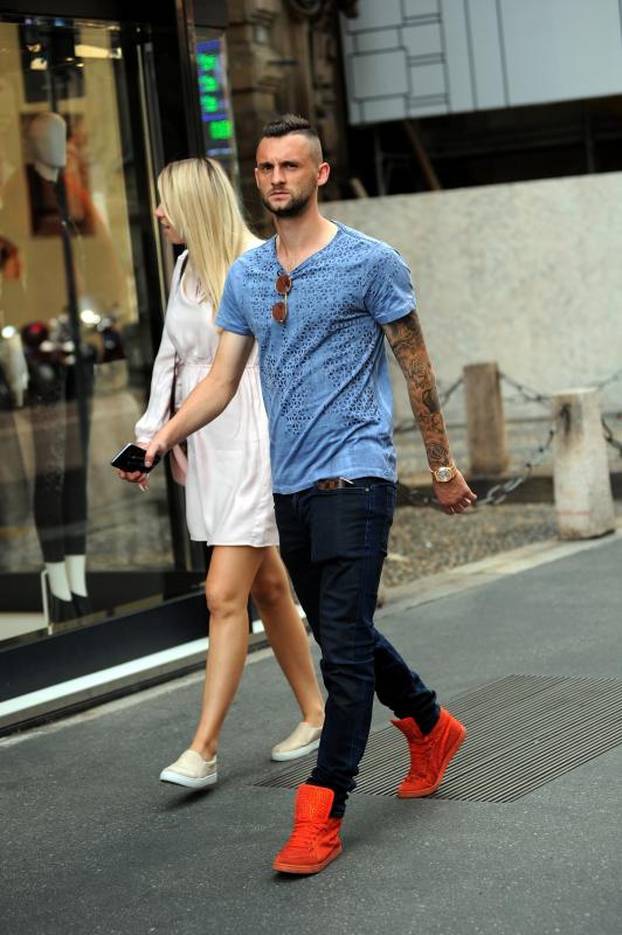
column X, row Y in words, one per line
column 523, row 731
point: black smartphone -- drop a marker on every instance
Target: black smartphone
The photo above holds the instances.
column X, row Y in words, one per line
column 132, row 458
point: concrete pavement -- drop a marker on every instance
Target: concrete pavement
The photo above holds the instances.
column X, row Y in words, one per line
column 92, row 844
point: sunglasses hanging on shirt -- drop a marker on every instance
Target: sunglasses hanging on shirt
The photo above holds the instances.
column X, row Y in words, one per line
column 283, row 287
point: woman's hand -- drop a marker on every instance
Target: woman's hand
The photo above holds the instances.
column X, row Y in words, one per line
column 136, row 477
column 158, row 445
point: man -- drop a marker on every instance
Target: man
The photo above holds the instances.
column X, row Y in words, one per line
column 319, row 299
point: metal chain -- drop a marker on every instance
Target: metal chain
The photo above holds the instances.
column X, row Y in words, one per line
column 530, row 395
column 449, row 392
column 499, row 492
column 533, row 396
column 526, row 393
column 407, row 425
column 609, row 436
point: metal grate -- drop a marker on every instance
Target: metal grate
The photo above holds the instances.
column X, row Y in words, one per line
column 523, row 731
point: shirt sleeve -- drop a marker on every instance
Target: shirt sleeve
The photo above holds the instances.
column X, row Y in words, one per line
column 390, row 292
column 158, row 409
column 159, row 405
column 230, row 315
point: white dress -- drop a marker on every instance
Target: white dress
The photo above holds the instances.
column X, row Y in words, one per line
column 229, row 485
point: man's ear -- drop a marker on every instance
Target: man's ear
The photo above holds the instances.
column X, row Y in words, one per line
column 323, row 173
column 256, row 176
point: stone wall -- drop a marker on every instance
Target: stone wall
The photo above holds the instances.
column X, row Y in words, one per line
column 527, row 274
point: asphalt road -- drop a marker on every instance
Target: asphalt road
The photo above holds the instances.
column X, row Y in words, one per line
column 93, row 844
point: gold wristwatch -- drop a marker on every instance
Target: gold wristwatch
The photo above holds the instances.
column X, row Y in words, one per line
column 445, row 473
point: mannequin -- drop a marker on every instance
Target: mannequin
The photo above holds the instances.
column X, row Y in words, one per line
column 60, row 386
column 47, row 135
column 13, row 363
column 59, row 503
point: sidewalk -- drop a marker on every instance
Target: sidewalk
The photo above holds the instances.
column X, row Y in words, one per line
column 92, row 844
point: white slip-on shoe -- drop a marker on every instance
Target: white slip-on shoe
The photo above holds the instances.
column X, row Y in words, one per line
column 304, row 739
column 191, row 771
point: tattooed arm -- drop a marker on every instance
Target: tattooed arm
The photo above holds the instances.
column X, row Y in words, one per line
column 407, row 343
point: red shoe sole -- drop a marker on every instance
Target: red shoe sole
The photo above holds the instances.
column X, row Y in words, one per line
column 308, row 869
column 421, row 793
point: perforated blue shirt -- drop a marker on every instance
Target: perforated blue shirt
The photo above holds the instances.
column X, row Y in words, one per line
column 324, row 372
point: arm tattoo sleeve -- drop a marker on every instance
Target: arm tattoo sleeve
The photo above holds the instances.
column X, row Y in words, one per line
column 407, row 343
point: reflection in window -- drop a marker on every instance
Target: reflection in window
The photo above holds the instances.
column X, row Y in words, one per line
column 73, row 359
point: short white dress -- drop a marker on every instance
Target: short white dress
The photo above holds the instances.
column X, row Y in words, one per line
column 228, row 485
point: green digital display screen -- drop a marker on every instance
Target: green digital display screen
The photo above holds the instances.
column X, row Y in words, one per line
column 213, row 96
column 221, row 130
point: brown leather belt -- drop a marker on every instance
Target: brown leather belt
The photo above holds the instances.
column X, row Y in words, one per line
column 333, row 483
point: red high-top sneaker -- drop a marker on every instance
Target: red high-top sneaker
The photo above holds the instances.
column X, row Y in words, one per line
column 429, row 753
column 314, row 841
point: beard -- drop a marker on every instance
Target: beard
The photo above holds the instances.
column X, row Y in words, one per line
column 292, row 209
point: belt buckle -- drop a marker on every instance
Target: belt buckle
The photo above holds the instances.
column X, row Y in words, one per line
column 333, row 483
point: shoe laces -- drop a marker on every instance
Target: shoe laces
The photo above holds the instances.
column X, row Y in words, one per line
column 420, row 750
column 305, row 833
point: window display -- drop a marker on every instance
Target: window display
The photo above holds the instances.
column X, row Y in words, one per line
column 76, row 345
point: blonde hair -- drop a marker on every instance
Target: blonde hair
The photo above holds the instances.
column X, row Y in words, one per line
column 199, row 201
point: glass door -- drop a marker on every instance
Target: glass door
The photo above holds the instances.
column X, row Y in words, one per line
column 80, row 311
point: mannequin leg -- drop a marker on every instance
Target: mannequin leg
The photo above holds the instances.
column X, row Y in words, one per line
column 75, row 566
column 47, row 413
column 74, row 502
column 58, row 579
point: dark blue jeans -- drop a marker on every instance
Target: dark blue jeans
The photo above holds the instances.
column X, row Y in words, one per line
column 333, row 543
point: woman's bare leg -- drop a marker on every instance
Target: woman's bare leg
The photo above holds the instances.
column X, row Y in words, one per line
column 231, row 573
column 285, row 631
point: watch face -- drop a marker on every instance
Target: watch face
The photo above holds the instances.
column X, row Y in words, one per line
column 444, row 474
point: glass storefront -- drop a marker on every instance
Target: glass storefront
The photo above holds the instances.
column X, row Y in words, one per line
column 82, row 283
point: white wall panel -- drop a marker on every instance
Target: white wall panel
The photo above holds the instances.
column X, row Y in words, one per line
column 492, row 53
column 383, row 74
column 490, row 90
column 457, row 55
column 561, row 49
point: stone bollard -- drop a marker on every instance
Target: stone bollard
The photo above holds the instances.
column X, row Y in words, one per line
column 486, row 436
column 583, row 501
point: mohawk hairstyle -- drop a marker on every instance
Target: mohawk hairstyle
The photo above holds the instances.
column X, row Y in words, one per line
column 293, row 123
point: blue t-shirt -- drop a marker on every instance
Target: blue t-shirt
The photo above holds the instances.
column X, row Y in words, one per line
column 324, row 373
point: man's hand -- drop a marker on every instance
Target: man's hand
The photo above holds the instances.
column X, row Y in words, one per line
column 455, row 496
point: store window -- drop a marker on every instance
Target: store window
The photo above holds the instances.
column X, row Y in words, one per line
column 76, row 544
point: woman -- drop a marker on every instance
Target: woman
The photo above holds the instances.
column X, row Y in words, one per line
column 228, row 483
